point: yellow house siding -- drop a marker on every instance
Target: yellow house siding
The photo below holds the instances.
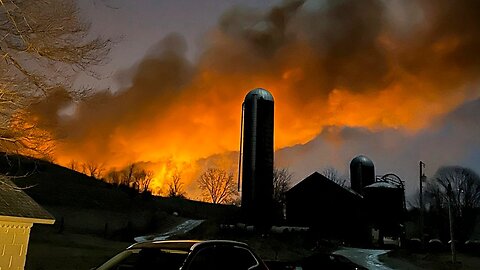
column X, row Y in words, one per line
column 13, row 244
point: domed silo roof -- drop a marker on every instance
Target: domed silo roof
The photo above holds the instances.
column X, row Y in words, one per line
column 362, row 173
column 259, row 93
column 361, row 159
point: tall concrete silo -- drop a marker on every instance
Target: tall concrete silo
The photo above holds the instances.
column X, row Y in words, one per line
column 362, row 173
column 257, row 157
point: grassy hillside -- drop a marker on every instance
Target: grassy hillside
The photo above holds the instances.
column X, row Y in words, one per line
column 85, row 204
column 94, row 220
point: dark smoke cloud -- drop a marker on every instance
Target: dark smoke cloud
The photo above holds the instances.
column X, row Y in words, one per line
column 452, row 141
column 352, row 72
column 156, row 84
column 354, row 45
column 47, row 110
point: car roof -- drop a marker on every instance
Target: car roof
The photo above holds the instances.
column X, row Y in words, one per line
column 184, row 245
column 218, row 243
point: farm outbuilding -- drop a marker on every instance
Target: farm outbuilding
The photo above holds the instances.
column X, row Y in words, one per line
column 352, row 214
column 331, row 210
column 18, row 213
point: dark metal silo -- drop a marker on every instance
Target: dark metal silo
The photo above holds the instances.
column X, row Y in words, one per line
column 385, row 201
column 362, row 173
column 257, row 161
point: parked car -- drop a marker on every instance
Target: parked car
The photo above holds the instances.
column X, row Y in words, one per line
column 186, row 255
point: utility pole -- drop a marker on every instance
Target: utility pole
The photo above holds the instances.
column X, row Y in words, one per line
column 422, row 179
column 450, row 217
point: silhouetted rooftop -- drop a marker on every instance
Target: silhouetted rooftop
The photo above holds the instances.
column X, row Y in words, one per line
column 320, row 179
column 16, row 203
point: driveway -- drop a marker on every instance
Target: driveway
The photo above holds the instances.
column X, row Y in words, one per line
column 181, row 228
column 369, row 259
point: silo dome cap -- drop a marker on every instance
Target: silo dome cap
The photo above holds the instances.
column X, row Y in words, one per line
column 361, row 159
column 259, row 93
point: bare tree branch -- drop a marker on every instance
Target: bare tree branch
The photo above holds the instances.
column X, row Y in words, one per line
column 175, row 187
column 332, row 174
column 217, row 186
column 43, row 45
column 282, row 180
column 465, row 185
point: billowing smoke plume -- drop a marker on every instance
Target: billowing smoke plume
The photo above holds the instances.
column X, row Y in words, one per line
column 337, row 70
column 452, row 141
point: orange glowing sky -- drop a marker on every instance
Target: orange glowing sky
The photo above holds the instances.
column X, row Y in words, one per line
column 324, row 68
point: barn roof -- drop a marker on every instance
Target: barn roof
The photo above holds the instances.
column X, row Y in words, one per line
column 16, row 205
column 316, row 180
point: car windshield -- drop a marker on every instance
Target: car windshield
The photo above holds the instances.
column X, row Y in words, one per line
column 146, row 259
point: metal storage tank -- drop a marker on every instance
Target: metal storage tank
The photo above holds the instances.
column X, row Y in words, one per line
column 257, row 156
column 362, row 173
column 385, row 202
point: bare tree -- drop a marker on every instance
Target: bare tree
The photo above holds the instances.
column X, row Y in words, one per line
column 217, row 186
column 141, row 179
column 145, row 183
column 43, row 45
column 131, row 176
column 459, row 188
column 137, row 176
column 282, row 180
column 113, row 177
column 175, row 187
column 126, row 178
column 465, row 187
column 73, row 165
column 332, row 174
column 94, row 169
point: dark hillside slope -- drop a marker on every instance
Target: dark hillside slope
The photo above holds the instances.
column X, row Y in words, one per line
column 51, row 184
column 83, row 202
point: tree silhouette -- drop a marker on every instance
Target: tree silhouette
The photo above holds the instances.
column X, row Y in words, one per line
column 126, row 178
column 141, row 179
column 73, row 165
column 465, row 184
column 93, row 169
column 131, row 176
column 459, row 187
column 44, row 45
column 333, row 174
column 282, row 180
column 175, row 187
column 217, row 186
column 113, row 177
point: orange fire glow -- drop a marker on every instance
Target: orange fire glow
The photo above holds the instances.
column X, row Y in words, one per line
column 197, row 127
column 177, row 115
